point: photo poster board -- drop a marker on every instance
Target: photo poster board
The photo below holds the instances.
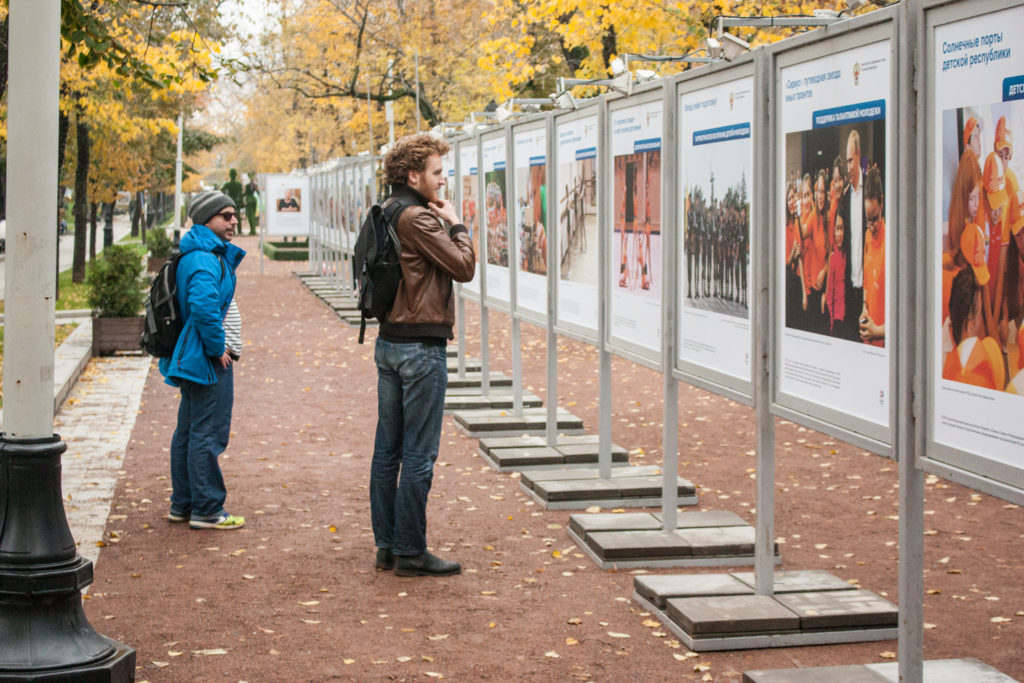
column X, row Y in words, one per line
column 288, row 205
column 339, row 236
column 636, row 129
column 448, row 170
column 352, row 197
column 494, row 154
column 469, row 204
column 575, row 236
column 975, row 203
column 834, row 154
column 715, row 194
column 530, row 186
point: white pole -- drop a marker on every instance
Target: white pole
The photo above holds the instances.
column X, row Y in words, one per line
column 389, row 111
column 417, row 58
column 177, row 182
column 32, row 99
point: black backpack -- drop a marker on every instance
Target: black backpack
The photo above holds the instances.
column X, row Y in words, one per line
column 163, row 318
column 376, row 261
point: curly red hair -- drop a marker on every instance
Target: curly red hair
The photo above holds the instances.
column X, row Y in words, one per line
column 410, row 153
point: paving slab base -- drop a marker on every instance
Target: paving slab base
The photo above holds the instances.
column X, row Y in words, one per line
column 749, row 641
column 479, row 423
column 665, row 559
column 934, row 671
column 530, row 453
column 474, row 379
column 723, row 612
column 628, row 487
column 501, row 398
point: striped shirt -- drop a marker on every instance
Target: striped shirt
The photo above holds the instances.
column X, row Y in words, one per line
column 233, row 329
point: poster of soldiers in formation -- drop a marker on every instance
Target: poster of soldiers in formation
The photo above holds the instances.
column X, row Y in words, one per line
column 716, row 158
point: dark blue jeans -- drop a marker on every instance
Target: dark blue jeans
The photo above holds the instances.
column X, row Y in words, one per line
column 411, row 382
column 204, row 424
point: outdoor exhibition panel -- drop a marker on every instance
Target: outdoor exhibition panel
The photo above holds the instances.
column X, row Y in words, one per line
column 351, row 195
column 834, row 107
column 448, row 170
column 635, row 131
column 494, row 181
column 575, row 237
column 715, row 190
column 529, row 191
column 288, row 210
column 971, row 107
column 468, row 198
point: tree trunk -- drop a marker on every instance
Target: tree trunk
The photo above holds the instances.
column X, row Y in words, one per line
column 93, row 211
column 81, row 198
column 133, row 209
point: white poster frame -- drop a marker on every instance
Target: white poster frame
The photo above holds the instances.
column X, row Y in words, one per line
column 973, row 468
column 651, row 96
column 712, row 79
column 291, row 224
column 843, row 37
column 497, row 284
column 573, row 326
column 467, row 158
column 531, row 289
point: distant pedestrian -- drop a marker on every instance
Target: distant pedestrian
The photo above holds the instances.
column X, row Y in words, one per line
column 412, row 366
column 201, row 366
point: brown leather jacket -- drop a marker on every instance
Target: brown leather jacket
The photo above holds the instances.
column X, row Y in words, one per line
column 432, row 256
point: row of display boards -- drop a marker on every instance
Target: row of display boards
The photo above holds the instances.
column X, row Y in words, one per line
column 783, row 230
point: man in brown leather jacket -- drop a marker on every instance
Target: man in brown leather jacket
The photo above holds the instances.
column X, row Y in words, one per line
column 412, row 365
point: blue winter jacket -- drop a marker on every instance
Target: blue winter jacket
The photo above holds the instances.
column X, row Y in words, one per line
column 206, row 285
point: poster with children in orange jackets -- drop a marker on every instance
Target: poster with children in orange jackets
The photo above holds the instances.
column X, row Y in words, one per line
column 977, row 237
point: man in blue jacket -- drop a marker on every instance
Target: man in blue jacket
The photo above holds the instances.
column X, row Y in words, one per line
column 201, row 365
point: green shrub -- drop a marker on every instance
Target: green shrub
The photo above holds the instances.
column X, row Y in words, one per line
column 115, row 290
column 159, row 243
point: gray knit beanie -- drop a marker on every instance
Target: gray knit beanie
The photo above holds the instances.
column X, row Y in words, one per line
column 206, row 205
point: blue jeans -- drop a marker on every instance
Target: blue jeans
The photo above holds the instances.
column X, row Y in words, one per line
column 411, row 383
column 204, row 424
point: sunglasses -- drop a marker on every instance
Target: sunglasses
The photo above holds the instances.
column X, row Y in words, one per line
column 228, row 215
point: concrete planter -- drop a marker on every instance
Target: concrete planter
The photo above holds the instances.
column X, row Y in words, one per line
column 116, row 334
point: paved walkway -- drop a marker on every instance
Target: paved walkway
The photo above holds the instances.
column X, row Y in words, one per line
column 96, row 421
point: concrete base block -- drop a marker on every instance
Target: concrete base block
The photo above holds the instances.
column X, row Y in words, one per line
column 935, row 671
column 494, row 422
column 475, row 379
column 711, row 612
column 582, row 488
column 467, row 398
column 617, row 540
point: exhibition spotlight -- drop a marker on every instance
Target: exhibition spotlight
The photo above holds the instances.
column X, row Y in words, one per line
column 852, row 5
column 727, row 47
column 617, row 66
column 623, row 83
column 563, row 100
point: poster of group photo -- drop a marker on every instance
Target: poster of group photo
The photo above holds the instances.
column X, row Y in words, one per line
column 577, row 222
column 977, row 237
column 636, row 133
column 469, row 190
column 496, row 218
column 531, row 218
column 287, row 209
column 716, row 161
column 834, row 274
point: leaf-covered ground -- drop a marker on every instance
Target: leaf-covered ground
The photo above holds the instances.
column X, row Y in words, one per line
column 294, row 595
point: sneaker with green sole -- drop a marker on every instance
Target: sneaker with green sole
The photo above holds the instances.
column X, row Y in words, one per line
column 224, row 522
